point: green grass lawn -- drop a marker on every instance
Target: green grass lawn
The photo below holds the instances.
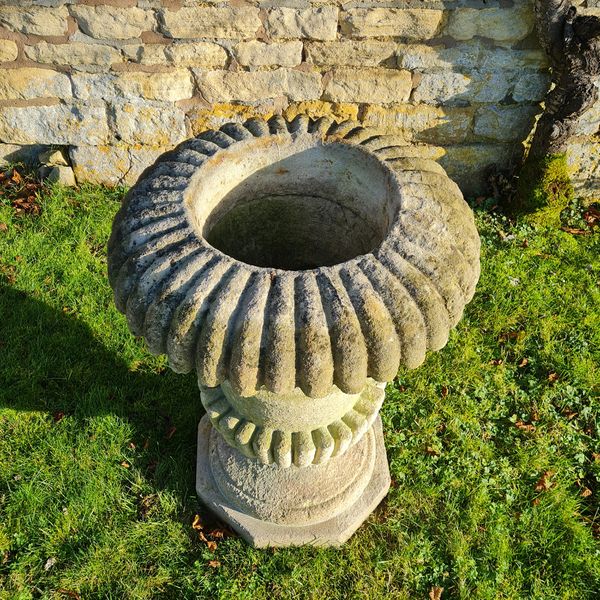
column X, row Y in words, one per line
column 492, row 443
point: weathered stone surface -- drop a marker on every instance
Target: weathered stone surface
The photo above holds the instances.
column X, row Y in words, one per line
column 14, row 153
column 530, row 86
column 420, row 23
column 315, row 261
column 53, row 157
column 468, row 56
column 58, row 124
column 505, row 123
column 368, row 53
column 258, row 54
column 310, row 23
column 583, row 158
column 499, row 24
column 277, row 163
column 145, row 123
column 239, row 22
column 347, row 512
column 227, row 86
column 468, row 164
column 8, row 50
column 112, row 22
column 421, row 122
column 368, row 85
column 449, row 88
column 112, row 165
column 73, row 53
column 26, row 83
column 35, row 20
column 181, row 54
column 61, row 175
column 167, row 87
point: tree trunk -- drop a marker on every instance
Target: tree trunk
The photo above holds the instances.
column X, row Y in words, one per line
column 573, row 44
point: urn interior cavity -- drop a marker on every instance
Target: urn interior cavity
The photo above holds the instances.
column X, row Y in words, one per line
column 295, row 205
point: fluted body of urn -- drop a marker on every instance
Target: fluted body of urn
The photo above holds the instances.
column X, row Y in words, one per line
column 294, row 266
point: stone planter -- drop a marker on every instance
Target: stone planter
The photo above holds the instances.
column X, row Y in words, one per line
column 294, row 266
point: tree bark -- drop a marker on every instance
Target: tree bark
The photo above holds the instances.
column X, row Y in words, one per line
column 572, row 43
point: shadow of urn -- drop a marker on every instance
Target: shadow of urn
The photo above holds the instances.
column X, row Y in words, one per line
column 294, row 266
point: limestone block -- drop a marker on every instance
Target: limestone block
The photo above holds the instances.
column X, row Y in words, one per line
column 421, row 122
column 372, row 85
column 57, row 124
column 53, row 157
column 166, row 87
column 367, row 53
column 457, row 88
column 499, row 24
column 468, row 56
column 112, row 165
column 181, row 54
column 73, row 53
column 145, row 123
column 258, row 54
column 239, row 22
column 310, row 23
column 505, row 123
column 228, row 86
column 408, row 23
column 112, row 22
column 35, row 20
column 530, row 86
column 61, row 175
column 8, row 50
column 27, row 82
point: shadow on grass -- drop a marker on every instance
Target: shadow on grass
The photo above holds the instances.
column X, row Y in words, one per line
column 52, row 362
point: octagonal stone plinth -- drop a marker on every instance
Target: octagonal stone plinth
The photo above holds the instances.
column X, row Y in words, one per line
column 294, row 266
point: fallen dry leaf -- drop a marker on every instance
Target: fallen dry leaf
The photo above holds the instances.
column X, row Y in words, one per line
column 444, row 391
column 544, row 483
column 576, row 231
column 3, row 227
column 50, row 563
column 214, row 564
column 435, row 593
column 170, row 432
column 552, row 377
column 592, row 217
column 523, row 426
column 586, row 492
column 431, row 451
column 125, row 464
column 523, row 362
column 496, row 362
column 197, row 523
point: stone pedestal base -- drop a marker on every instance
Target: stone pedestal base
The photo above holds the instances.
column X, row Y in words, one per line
column 268, row 505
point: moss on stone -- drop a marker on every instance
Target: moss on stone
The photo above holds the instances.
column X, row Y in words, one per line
column 545, row 189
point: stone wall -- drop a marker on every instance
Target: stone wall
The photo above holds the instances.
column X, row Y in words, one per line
column 116, row 82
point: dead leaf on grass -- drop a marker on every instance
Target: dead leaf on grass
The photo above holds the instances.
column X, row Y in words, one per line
column 552, row 377
column 545, row 482
column 435, row 593
column 214, row 564
column 523, row 362
column 523, row 426
column 586, row 492
column 576, row 231
column 69, row 593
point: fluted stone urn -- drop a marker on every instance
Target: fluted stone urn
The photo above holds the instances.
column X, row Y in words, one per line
column 294, row 266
